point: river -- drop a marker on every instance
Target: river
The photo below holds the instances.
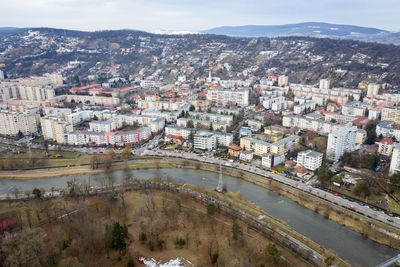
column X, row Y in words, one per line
column 348, row 244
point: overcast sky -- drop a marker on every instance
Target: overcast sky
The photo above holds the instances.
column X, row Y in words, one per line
column 194, row 15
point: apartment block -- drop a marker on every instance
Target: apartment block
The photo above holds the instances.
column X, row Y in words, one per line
column 270, row 160
column 225, row 97
column 309, row 159
column 55, row 129
column 395, row 162
column 386, row 147
column 391, row 114
column 340, row 141
column 11, row 123
column 283, row 146
column 205, row 140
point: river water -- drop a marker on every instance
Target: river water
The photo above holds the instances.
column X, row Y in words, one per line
column 348, row 244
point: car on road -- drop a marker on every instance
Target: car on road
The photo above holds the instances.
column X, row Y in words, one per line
column 335, row 194
column 390, row 220
column 352, row 207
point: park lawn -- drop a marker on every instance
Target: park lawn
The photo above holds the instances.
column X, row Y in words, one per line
column 68, row 158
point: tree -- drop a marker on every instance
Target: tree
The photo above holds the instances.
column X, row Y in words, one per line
column 371, row 133
column 190, row 124
column 395, row 179
column 37, row 193
column 211, row 127
column 371, row 139
column 107, row 163
column 370, row 161
column 211, row 209
column 346, row 158
column 236, row 230
column 118, row 235
column 272, row 250
column 324, row 175
column 126, row 153
column 111, row 153
column 20, row 135
column 362, row 189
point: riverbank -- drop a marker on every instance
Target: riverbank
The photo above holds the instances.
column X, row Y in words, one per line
column 79, row 170
column 375, row 230
column 150, row 216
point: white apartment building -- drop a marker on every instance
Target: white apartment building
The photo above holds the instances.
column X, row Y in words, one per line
column 319, row 126
column 267, row 101
column 319, row 100
column 103, row 126
column 354, row 108
column 395, row 162
column 102, row 139
column 270, row 160
column 309, row 159
column 246, row 155
column 79, row 117
column 205, row 140
column 18, row 90
column 254, row 124
column 373, row 89
column 324, row 84
column 179, row 131
column 375, row 113
column 278, row 106
column 55, row 128
column 301, row 99
column 305, row 107
column 340, row 141
column 184, row 122
column 11, row 123
column 388, row 129
column 224, row 97
column 228, row 119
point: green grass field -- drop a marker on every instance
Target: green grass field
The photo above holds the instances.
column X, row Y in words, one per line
column 40, row 160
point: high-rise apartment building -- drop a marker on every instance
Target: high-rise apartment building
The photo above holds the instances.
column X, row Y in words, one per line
column 11, row 123
column 283, row 80
column 56, row 129
column 324, row 84
column 224, row 97
column 340, row 141
column 395, row 163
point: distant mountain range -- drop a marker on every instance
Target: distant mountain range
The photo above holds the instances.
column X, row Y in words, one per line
column 310, row 29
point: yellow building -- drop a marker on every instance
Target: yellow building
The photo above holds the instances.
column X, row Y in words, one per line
column 55, row 129
column 386, row 147
column 257, row 146
column 284, row 145
column 245, row 143
column 391, row 114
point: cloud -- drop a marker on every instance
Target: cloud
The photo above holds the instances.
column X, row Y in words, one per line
column 192, row 15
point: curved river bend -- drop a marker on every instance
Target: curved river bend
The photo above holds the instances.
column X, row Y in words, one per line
column 350, row 245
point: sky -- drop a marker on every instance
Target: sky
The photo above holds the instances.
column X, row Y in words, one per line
column 194, row 15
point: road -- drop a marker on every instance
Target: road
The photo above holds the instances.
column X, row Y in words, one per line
column 354, row 206
column 147, row 147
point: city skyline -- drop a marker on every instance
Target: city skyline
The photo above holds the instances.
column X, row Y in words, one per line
column 192, row 15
